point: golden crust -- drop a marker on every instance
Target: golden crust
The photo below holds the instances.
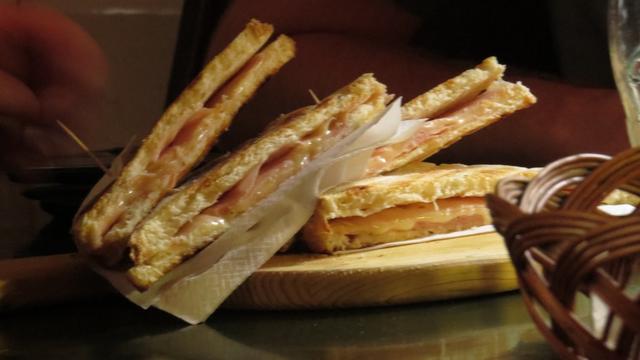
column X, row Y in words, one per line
column 455, row 91
column 511, row 98
column 156, row 247
column 91, row 226
column 367, row 196
column 417, row 183
column 264, row 64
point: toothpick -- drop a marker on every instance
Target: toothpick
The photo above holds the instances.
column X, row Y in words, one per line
column 313, row 95
column 84, row 147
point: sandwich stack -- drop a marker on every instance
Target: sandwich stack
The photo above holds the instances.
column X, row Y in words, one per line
column 183, row 242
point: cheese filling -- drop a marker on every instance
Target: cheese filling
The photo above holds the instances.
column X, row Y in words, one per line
column 447, row 215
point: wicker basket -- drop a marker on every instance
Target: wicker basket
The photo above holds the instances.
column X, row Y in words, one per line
column 563, row 247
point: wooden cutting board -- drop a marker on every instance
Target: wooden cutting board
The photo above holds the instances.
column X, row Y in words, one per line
column 443, row 269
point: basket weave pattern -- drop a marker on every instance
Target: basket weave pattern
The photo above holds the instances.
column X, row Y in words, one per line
column 563, row 246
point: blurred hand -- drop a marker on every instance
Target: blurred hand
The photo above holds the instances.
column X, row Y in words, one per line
column 50, row 69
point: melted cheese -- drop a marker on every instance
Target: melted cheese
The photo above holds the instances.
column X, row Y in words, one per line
column 446, row 215
column 266, row 177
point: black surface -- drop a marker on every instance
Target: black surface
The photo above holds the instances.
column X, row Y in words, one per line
column 199, row 18
column 495, row 327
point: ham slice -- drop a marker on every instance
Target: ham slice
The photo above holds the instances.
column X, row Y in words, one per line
column 500, row 99
column 265, row 178
column 413, row 221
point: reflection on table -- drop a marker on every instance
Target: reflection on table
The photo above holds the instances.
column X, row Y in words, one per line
column 492, row 327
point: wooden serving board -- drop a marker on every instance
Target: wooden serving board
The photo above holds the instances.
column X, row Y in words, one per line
column 443, row 269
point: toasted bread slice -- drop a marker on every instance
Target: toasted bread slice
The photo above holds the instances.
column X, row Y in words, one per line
column 180, row 139
column 202, row 210
column 420, row 200
column 499, row 100
column 455, row 91
column 456, row 108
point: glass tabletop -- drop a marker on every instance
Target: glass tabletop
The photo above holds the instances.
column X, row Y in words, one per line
column 491, row 327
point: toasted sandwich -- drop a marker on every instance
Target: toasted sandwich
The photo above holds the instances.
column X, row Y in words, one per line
column 458, row 107
column 180, row 139
column 203, row 209
column 417, row 200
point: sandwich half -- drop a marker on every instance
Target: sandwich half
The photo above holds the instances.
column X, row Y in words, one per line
column 203, row 209
column 180, row 139
column 418, row 200
column 458, row 107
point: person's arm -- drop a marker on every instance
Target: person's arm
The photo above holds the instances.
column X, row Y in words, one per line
column 337, row 43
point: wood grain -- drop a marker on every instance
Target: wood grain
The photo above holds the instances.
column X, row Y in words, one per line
column 452, row 268
column 445, row 269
